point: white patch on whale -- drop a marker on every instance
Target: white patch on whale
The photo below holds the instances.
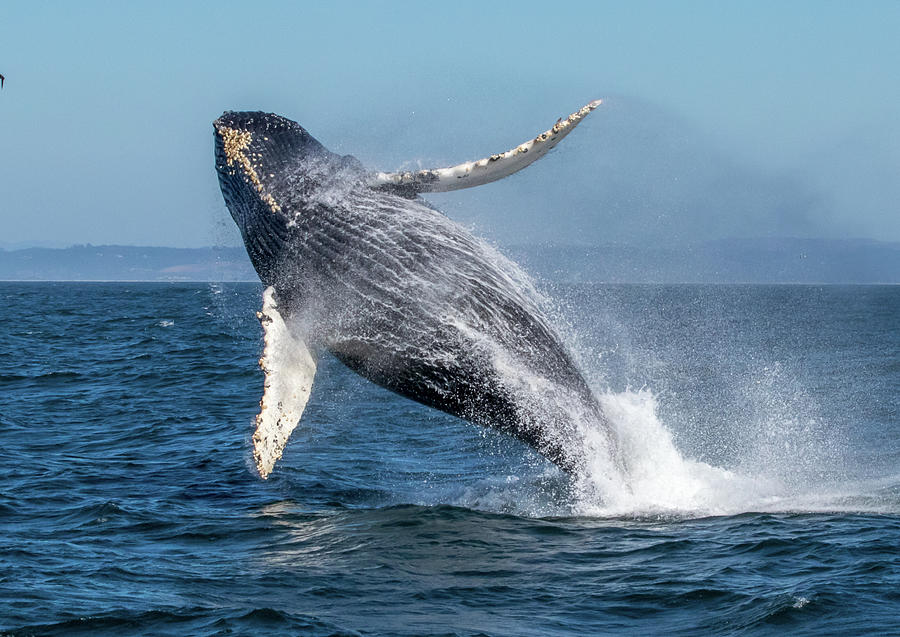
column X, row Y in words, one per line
column 289, row 368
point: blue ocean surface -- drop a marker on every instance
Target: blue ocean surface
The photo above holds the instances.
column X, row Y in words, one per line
column 759, row 423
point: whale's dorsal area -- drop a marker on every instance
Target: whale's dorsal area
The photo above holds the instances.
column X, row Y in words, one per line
column 355, row 263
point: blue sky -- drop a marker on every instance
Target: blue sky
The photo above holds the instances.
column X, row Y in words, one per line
column 721, row 119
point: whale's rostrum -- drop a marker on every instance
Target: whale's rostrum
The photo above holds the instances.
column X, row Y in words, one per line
column 357, row 264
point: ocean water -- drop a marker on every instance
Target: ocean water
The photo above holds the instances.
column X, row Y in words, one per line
column 760, row 425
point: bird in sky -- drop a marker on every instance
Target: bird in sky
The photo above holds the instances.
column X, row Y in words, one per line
column 2, row 79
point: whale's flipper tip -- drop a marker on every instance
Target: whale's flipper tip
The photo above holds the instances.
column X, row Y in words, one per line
column 289, row 369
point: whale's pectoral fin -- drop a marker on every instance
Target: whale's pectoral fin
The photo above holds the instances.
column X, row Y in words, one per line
column 482, row 171
column 289, row 367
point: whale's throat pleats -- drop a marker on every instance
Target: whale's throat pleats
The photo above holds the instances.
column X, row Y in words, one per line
column 289, row 368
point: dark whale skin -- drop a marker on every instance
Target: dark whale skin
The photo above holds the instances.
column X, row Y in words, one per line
column 397, row 291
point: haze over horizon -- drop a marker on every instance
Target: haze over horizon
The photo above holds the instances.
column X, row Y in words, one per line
column 737, row 120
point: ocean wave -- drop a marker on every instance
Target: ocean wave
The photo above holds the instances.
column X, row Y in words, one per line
column 181, row 621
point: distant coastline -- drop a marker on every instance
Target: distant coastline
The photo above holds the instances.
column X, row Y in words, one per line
column 126, row 263
column 781, row 260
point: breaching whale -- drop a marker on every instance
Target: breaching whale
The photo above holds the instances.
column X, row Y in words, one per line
column 358, row 264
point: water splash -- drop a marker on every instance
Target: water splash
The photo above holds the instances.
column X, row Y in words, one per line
column 660, row 482
column 658, row 479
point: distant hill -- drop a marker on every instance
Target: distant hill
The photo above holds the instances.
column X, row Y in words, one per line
column 725, row 261
column 126, row 263
column 784, row 260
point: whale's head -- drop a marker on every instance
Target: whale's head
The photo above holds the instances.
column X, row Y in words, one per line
column 268, row 164
column 271, row 171
column 255, row 153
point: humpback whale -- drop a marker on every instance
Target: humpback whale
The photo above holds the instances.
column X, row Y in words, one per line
column 356, row 263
